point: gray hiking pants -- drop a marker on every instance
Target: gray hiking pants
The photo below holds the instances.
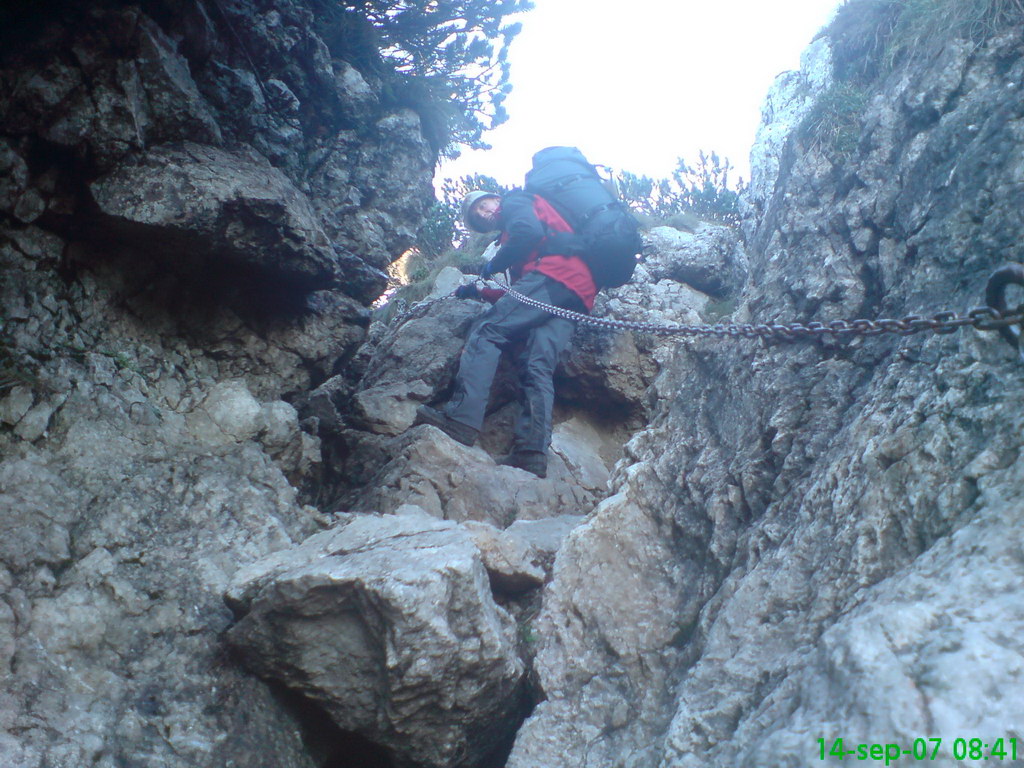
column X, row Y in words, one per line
column 546, row 337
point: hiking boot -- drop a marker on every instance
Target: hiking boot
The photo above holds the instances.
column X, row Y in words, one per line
column 456, row 430
column 532, row 461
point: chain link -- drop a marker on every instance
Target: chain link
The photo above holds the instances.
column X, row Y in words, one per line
column 982, row 318
column 417, row 310
column 947, row 321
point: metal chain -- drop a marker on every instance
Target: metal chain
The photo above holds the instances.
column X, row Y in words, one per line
column 986, row 318
column 982, row 318
column 418, row 309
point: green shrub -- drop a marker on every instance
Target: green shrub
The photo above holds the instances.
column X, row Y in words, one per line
column 870, row 37
column 446, row 59
column 859, row 35
column 689, row 195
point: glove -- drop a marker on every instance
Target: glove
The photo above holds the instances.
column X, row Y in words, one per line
column 467, row 292
column 487, row 270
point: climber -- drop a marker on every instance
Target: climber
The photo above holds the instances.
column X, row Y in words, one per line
column 526, row 223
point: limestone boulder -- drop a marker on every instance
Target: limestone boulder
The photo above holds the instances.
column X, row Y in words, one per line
column 389, row 409
column 426, row 468
column 203, row 203
column 16, row 195
column 409, row 362
column 388, row 624
column 511, row 562
column 616, row 601
column 711, row 259
column 371, row 196
column 817, row 539
column 169, row 290
column 607, row 371
column 788, row 102
column 424, row 343
column 123, row 86
column 545, row 536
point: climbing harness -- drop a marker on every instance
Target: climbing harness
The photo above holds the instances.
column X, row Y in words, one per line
column 996, row 316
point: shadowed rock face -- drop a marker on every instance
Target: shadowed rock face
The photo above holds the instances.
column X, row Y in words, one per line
column 209, row 133
column 193, row 216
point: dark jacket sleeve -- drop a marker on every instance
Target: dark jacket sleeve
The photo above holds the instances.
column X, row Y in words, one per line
column 524, row 230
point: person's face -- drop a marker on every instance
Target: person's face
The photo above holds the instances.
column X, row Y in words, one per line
column 486, row 210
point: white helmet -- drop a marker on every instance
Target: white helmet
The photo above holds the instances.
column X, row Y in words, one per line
column 467, row 206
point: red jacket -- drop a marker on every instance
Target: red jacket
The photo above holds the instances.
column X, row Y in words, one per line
column 527, row 220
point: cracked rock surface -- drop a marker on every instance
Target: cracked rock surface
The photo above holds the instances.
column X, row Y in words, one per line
column 388, row 623
column 172, row 277
column 818, row 540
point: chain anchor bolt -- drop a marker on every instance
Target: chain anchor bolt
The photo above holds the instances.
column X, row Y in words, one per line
column 995, row 297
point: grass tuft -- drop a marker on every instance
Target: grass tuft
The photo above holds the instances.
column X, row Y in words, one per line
column 924, row 27
column 834, row 122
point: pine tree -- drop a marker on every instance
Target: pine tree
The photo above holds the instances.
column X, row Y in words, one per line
column 448, row 59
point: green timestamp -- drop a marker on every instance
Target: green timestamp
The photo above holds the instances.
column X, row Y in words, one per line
column 1003, row 748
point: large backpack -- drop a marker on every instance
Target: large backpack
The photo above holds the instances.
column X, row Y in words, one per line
column 607, row 235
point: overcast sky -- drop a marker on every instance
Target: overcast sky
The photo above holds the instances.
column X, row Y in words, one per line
column 636, row 84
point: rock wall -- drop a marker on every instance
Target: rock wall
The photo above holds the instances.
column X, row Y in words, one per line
column 197, row 200
column 819, row 541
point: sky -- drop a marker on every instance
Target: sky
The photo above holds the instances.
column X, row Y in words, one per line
column 636, row 84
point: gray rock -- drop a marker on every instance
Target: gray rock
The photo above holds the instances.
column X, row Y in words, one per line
column 228, row 414
column 613, row 368
column 149, row 443
column 512, row 564
column 391, row 173
column 202, row 199
column 124, row 85
column 175, row 108
column 142, row 528
column 389, row 625
column 358, row 99
column 13, row 176
column 426, row 345
column 427, row 468
column 389, row 409
column 711, row 259
column 447, row 280
column 794, row 542
column 548, row 534
column 787, row 103
column 15, row 404
column 579, row 444
column 617, row 603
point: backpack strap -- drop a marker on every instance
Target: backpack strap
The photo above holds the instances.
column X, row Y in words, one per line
column 594, row 211
column 567, row 180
